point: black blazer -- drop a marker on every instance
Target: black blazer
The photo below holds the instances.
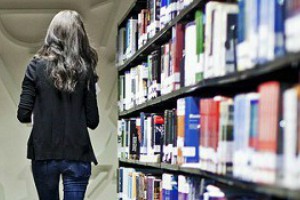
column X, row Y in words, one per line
column 60, row 119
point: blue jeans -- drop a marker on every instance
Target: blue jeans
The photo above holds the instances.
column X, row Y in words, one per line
column 75, row 175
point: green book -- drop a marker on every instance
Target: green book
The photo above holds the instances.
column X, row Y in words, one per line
column 199, row 20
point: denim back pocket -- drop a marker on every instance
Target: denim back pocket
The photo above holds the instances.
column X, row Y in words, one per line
column 78, row 169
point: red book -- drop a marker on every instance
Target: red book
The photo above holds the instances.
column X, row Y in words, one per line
column 202, row 123
column 177, row 45
column 269, row 116
column 214, row 123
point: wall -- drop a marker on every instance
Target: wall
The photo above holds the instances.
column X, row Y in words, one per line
column 18, row 43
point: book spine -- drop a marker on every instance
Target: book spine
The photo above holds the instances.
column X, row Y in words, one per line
column 199, row 20
column 158, row 122
column 150, row 188
column 192, row 122
column 279, row 47
column 190, row 53
column 180, row 130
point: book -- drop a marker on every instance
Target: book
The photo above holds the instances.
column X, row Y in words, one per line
column 226, row 140
column 291, row 116
column 176, row 56
column 269, row 133
column 131, row 37
column 180, row 130
column 134, row 143
column 154, row 74
column 271, row 30
column 219, row 38
column 200, row 21
column 165, row 68
column 245, row 128
column 169, row 187
column 121, row 46
column 172, row 9
column 163, row 13
column 183, row 188
column 191, row 129
column 190, row 54
column 142, row 28
column 291, row 25
column 154, row 12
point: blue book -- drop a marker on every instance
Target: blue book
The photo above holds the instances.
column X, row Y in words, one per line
column 279, row 27
column 169, row 187
column 174, row 186
column 253, row 137
column 192, row 130
column 239, row 116
column 241, row 22
column 263, row 31
column 129, row 192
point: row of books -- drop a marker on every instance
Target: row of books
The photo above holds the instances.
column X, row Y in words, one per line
column 268, row 28
column 139, row 29
column 207, row 48
column 133, row 184
column 217, row 42
column 254, row 136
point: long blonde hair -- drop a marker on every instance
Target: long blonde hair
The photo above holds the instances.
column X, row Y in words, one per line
column 67, row 47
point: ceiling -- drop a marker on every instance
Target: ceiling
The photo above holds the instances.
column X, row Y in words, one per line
column 23, row 24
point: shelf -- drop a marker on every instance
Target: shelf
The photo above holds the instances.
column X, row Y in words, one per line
column 134, row 10
column 270, row 71
column 271, row 190
column 160, row 38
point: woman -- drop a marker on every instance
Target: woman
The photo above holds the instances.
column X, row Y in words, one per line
column 59, row 90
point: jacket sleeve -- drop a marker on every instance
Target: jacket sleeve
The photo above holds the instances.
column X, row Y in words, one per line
column 91, row 107
column 28, row 93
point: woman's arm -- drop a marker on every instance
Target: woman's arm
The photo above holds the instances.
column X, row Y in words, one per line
column 27, row 96
column 91, row 106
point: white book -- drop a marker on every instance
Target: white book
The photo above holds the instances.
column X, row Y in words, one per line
column 133, row 37
column 211, row 8
column 228, row 20
column 221, row 17
column 127, row 90
column 190, row 54
column 291, row 119
column 150, row 150
column 292, row 30
column 119, row 138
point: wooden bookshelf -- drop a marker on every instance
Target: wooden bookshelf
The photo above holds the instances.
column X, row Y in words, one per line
column 284, row 68
column 271, row 190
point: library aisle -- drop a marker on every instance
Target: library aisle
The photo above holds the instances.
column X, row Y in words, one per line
column 23, row 25
column 209, row 100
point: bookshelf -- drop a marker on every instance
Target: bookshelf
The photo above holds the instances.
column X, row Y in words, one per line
column 283, row 69
column 288, row 64
column 160, row 37
column 275, row 191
